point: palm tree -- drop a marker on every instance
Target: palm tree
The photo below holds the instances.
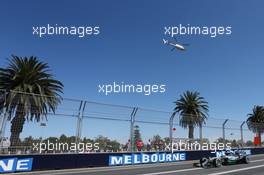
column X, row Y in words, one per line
column 193, row 111
column 255, row 120
column 31, row 92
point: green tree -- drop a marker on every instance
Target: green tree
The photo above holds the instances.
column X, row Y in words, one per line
column 157, row 143
column 255, row 120
column 31, row 92
column 234, row 144
column 193, row 111
column 249, row 143
column 87, row 140
column 167, row 140
column 115, row 146
column 106, row 144
column 137, row 134
column 28, row 141
column 63, row 138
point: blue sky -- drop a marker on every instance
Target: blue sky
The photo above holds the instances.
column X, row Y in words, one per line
column 227, row 71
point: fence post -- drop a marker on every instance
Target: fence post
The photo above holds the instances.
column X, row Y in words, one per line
column 201, row 133
column 2, row 126
column 241, row 133
column 79, row 121
column 223, row 126
column 171, row 127
column 3, row 120
column 132, row 122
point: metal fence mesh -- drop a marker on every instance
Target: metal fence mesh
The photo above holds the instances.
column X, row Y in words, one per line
column 112, row 126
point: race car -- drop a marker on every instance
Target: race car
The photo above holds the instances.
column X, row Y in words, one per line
column 234, row 157
column 228, row 158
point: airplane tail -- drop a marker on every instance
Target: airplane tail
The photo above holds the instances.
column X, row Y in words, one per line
column 165, row 41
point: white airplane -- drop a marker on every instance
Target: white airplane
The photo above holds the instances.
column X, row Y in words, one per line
column 175, row 45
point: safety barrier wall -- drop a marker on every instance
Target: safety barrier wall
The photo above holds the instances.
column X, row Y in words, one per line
column 71, row 161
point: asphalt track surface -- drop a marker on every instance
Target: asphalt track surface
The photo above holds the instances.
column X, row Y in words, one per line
column 255, row 167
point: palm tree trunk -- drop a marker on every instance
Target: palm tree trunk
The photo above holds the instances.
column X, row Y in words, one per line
column 191, row 130
column 17, row 124
column 259, row 135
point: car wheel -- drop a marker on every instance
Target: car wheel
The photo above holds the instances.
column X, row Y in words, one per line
column 217, row 163
column 245, row 159
column 225, row 161
column 204, row 162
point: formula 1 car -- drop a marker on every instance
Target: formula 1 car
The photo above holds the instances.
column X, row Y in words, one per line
column 228, row 158
column 234, row 157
